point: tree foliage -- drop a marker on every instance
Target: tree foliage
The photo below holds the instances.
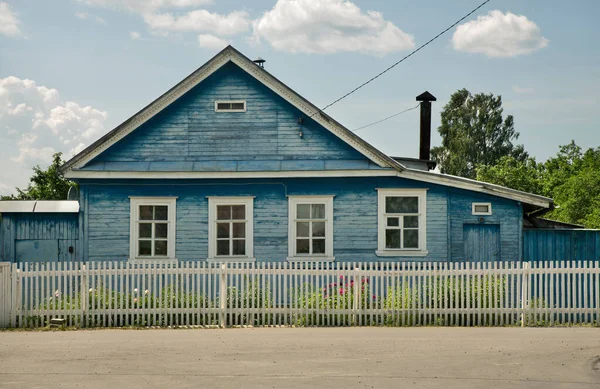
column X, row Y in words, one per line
column 49, row 184
column 571, row 178
column 475, row 133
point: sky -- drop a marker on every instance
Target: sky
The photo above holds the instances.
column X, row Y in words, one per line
column 72, row 70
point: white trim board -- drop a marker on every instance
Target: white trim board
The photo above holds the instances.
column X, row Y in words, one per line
column 229, row 54
column 418, row 175
column 476, row 186
column 260, row 174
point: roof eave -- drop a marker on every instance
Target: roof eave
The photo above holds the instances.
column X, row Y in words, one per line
column 219, row 60
column 478, row 186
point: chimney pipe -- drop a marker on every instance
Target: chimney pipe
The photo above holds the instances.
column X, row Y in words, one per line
column 425, row 139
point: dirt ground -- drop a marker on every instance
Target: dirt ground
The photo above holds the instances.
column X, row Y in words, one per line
column 303, row 358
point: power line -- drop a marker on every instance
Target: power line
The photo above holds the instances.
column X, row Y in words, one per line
column 389, row 117
column 402, row 60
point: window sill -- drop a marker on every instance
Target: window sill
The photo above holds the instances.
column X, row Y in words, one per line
column 310, row 259
column 231, row 259
column 401, row 253
column 139, row 261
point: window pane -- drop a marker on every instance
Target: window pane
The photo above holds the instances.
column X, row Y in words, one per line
column 318, row 211
column 146, row 212
column 160, row 247
column 318, row 246
column 411, row 239
column 482, row 208
column 302, row 230
column 237, row 105
column 223, row 247
column 223, row 106
column 318, row 229
column 222, row 230
column 239, row 212
column 401, row 205
column 239, row 230
column 393, row 222
column 239, row 247
column 411, row 222
column 392, row 239
column 223, row 212
column 303, row 211
column 145, row 248
column 160, row 230
column 160, row 212
column 145, row 230
column 302, row 246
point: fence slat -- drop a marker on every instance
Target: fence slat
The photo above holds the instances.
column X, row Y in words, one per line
column 322, row 294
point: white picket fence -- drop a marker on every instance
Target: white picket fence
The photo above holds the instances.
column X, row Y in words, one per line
column 334, row 294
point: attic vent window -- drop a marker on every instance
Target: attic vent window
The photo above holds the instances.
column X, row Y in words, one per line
column 230, row 106
column 482, row 208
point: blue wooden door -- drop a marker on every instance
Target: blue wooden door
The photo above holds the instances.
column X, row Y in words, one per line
column 38, row 250
column 482, row 242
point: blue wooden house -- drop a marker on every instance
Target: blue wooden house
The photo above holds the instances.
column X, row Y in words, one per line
column 232, row 165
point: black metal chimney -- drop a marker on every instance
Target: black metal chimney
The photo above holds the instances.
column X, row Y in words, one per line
column 425, row 147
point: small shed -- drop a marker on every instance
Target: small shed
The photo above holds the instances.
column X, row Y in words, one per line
column 39, row 231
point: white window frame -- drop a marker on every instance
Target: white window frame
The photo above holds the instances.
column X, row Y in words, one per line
column 382, row 251
column 213, row 202
column 217, row 102
column 293, row 201
column 134, row 205
column 489, row 205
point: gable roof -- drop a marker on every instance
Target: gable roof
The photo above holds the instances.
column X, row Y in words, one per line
column 230, row 54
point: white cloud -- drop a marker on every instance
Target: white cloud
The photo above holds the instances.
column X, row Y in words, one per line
column 9, row 23
column 329, row 26
column 144, row 6
column 6, row 189
column 499, row 35
column 211, row 42
column 200, row 20
column 522, row 90
column 35, row 122
column 85, row 16
column 134, row 35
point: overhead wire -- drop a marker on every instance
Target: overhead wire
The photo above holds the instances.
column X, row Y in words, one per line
column 387, row 118
column 402, row 60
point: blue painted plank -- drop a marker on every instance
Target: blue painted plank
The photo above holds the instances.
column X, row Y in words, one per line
column 190, row 131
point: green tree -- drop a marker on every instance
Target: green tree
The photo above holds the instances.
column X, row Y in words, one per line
column 513, row 173
column 49, row 184
column 475, row 133
column 571, row 178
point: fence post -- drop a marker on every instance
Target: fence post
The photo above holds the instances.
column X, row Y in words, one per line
column 223, row 295
column 356, row 301
column 15, row 295
column 84, row 295
column 525, row 294
column 6, row 296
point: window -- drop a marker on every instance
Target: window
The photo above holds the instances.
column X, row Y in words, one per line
column 230, row 231
column 152, row 227
column 230, row 106
column 310, row 229
column 402, row 218
column 482, row 208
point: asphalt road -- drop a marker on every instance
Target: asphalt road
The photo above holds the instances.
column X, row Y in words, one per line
column 303, row 358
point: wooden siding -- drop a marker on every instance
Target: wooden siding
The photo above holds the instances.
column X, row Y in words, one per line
column 561, row 245
column 190, row 136
column 28, row 227
column 507, row 214
column 355, row 215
